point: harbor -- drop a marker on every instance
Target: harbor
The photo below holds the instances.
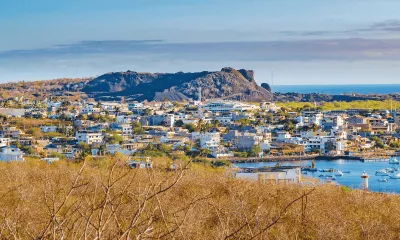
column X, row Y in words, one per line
column 383, row 176
column 317, row 157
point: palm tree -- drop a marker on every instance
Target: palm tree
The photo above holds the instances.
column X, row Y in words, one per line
column 117, row 111
column 216, row 123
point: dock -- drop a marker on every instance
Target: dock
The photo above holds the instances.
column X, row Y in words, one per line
column 272, row 159
column 375, row 160
column 338, row 157
column 308, row 157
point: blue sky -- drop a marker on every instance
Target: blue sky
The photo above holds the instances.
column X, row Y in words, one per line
column 302, row 42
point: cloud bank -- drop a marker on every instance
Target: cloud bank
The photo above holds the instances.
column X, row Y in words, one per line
column 300, row 50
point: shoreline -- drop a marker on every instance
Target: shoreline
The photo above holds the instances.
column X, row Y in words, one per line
column 308, row 157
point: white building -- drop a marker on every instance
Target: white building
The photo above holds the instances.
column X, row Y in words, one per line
column 221, row 152
column 282, row 174
column 8, row 154
column 229, row 106
column 89, row 137
column 169, row 120
column 89, row 109
column 4, row 142
column 136, row 107
column 224, row 119
column 55, row 104
column 47, row 129
column 283, row 136
column 268, row 106
column 126, row 129
column 121, row 119
column 210, row 140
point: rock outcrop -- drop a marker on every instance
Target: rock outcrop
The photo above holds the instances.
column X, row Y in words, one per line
column 225, row 84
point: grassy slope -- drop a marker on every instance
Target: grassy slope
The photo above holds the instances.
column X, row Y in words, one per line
column 342, row 105
column 108, row 201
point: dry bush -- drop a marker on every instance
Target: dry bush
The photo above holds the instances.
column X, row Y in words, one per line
column 109, row 201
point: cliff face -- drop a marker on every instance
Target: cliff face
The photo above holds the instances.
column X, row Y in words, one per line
column 226, row 84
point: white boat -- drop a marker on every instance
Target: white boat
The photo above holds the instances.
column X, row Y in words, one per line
column 339, row 173
column 397, row 176
column 383, row 180
column 394, row 161
column 390, row 170
column 381, row 172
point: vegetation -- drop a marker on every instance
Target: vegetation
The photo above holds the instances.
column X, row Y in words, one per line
column 372, row 104
column 115, row 139
column 103, row 199
column 137, row 128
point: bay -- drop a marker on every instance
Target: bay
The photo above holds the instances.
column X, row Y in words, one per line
column 352, row 179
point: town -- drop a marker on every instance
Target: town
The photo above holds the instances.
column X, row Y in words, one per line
column 54, row 128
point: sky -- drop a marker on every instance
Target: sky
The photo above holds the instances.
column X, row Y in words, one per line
column 301, row 42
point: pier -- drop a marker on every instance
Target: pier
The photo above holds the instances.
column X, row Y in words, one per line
column 272, row 159
column 375, row 160
column 337, row 157
column 365, row 158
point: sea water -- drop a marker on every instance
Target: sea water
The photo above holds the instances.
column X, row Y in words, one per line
column 339, row 89
column 352, row 179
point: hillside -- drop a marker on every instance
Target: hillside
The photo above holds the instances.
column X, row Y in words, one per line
column 103, row 200
column 227, row 84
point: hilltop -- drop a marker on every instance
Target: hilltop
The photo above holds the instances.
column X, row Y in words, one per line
column 227, row 84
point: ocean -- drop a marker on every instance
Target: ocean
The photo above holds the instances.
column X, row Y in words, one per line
column 339, row 89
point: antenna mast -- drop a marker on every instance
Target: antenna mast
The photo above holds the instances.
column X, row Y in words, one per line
column 200, row 94
column 272, row 85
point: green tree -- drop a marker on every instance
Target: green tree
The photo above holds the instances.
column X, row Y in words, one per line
column 84, row 148
column 314, row 127
column 191, row 127
column 146, row 112
column 115, row 139
column 164, row 148
column 395, row 144
column 378, row 142
column 288, row 126
column 254, row 151
column 179, row 123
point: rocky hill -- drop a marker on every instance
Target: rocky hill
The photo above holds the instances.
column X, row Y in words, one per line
column 226, row 84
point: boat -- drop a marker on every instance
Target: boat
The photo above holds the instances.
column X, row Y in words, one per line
column 397, row 176
column 330, row 179
column 390, row 170
column 339, row 173
column 394, row 161
column 327, row 170
column 309, row 169
column 381, row 172
column 383, row 180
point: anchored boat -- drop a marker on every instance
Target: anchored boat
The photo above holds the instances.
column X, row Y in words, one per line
column 381, row 172
column 339, row 173
column 394, row 161
column 397, row 176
